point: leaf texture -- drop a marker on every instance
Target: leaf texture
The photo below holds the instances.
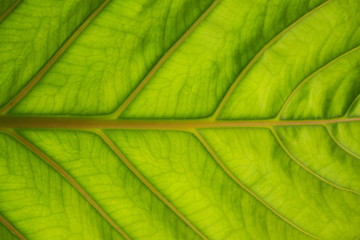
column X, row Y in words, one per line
column 179, row 119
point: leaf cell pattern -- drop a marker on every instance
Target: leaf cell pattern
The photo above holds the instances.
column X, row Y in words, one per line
column 179, row 119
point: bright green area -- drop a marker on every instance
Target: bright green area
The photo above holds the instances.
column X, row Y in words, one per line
column 299, row 181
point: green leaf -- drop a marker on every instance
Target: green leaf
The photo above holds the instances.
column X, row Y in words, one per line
column 179, row 119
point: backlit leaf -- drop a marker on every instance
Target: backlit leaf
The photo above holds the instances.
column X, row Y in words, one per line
column 179, row 119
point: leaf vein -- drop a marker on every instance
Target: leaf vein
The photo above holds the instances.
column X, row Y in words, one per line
column 68, row 177
column 338, row 143
column 185, row 124
column 136, row 172
column 9, row 10
column 11, row 228
column 30, row 85
column 302, row 165
column 238, row 182
column 252, row 62
column 312, row 75
column 351, row 106
column 161, row 61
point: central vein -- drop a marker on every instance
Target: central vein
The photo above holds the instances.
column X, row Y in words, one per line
column 7, row 122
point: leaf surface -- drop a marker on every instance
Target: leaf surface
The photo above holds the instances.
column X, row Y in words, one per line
column 180, row 119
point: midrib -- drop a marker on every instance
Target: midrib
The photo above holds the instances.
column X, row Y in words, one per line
column 7, row 122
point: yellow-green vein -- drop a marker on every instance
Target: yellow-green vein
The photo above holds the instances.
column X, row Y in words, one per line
column 161, row 61
column 68, row 177
column 9, row 10
column 352, row 105
column 312, row 75
column 238, row 182
column 302, row 165
column 133, row 169
column 257, row 57
column 51, row 61
column 11, row 228
column 339, row 143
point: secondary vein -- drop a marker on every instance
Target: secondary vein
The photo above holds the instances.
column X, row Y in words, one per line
column 161, row 61
column 133, row 169
column 340, row 144
column 352, row 105
column 257, row 57
column 68, row 177
column 311, row 76
column 9, row 10
column 238, row 182
column 302, row 165
column 51, row 61
column 11, row 228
